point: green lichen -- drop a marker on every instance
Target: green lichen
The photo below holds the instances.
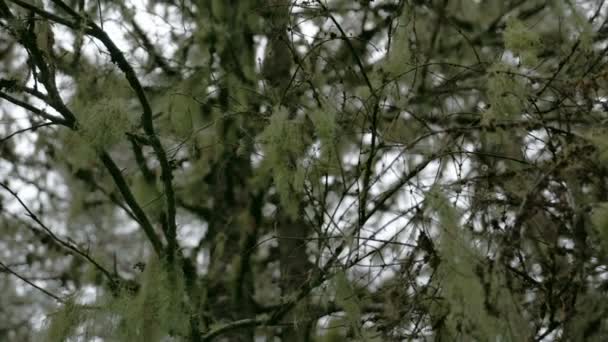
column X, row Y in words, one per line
column 324, row 122
column 400, row 55
column 575, row 22
column 284, row 145
column 64, row 322
column 599, row 219
column 462, row 287
column 157, row 310
column 523, row 41
column 151, row 308
column 103, row 124
column 505, row 92
column 598, row 138
column 77, row 150
column 147, row 195
column 347, row 299
column 183, row 111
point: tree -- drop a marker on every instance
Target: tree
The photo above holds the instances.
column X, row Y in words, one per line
column 303, row 170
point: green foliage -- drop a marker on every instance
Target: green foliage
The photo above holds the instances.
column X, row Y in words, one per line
column 325, row 125
column 44, row 34
column 102, row 107
column 261, row 162
column 460, row 286
column 78, row 195
column 348, row 299
column 181, row 112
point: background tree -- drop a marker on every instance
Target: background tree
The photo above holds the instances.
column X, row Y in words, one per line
column 303, row 170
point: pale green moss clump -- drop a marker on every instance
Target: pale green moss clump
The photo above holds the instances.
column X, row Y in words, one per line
column 522, row 41
column 460, row 286
column 104, row 124
column 325, row 125
column 100, row 126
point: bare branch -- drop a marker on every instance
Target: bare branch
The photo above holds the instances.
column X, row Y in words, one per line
column 7, row 269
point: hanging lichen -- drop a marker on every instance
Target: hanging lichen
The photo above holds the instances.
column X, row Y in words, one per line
column 347, row 299
column 324, row 122
column 575, row 23
column 461, row 285
column 590, row 322
column 598, row 138
column 157, row 310
column 352, row 304
column 600, row 222
column 522, row 41
column 103, row 123
column 147, row 194
column 63, row 323
column 505, row 92
column 77, row 150
column 183, row 111
column 283, row 146
column 399, row 57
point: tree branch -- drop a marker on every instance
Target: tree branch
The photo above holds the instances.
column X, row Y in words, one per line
column 139, row 213
column 7, row 269
column 50, row 233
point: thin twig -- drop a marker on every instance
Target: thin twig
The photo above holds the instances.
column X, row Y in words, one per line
column 31, row 128
column 50, row 233
column 6, row 268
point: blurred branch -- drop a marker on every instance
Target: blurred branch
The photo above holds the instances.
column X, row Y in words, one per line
column 54, row 119
column 50, row 233
column 31, row 128
column 120, row 60
column 7, row 269
column 124, row 189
